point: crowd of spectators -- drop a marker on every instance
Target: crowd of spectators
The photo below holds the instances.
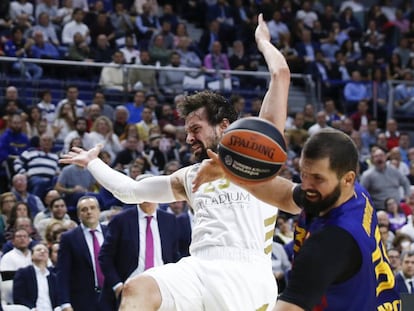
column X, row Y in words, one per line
column 350, row 49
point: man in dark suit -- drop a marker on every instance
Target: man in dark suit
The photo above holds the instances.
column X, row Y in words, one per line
column 405, row 278
column 124, row 254
column 26, row 291
column 79, row 273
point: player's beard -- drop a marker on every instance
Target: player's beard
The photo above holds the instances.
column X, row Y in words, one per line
column 202, row 155
column 316, row 207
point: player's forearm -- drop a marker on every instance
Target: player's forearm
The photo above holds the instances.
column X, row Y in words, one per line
column 274, row 108
column 155, row 189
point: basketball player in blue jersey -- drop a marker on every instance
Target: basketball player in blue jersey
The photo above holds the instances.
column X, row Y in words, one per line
column 340, row 262
column 230, row 264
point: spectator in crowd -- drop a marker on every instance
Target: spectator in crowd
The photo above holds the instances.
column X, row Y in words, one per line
column 354, row 91
column 395, row 260
column 41, row 166
column 72, row 97
column 405, row 278
column 143, row 80
column 158, row 52
column 46, row 106
column 47, row 29
column 49, row 7
column 170, row 82
column 35, row 286
column 120, row 261
column 65, row 12
column 397, row 218
column 383, row 181
column 81, row 280
column 21, row 9
column 35, row 204
column 102, row 26
column 58, row 211
column 46, row 213
column 210, row 35
column 79, row 51
column 17, row 46
column 147, row 23
column 121, row 116
column 75, row 26
column 321, row 123
column 392, row 134
column 394, row 158
column 167, row 36
column 12, row 144
column 128, row 154
column 136, row 107
column 43, row 49
column 106, row 109
column 189, row 58
column 277, row 27
column 74, row 182
column 130, row 51
column 20, row 255
column 114, row 76
column 146, row 124
column 20, row 219
column 404, row 93
column 102, row 132
column 7, row 201
column 80, row 131
column 216, row 61
column 222, row 13
column 121, row 21
column 64, row 122
column 102, row 52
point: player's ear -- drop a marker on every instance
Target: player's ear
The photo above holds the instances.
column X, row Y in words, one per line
column 349, row 178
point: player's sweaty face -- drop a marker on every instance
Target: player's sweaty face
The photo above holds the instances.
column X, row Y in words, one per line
column 200, row 134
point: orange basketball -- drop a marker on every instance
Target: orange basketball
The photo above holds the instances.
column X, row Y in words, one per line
column 252, row 150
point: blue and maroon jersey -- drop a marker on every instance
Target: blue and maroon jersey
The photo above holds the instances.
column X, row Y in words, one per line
column 373, row 287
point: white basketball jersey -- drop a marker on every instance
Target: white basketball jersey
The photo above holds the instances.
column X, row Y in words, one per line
column 229, row 216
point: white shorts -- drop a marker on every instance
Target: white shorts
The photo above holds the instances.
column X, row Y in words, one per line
column 217, row 279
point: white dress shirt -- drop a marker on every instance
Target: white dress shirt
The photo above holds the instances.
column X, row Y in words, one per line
column 43, row 299
column 15, row 259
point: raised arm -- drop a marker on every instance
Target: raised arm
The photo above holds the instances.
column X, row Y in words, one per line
column 274, row 107
column 157, row 189
column 277, row 191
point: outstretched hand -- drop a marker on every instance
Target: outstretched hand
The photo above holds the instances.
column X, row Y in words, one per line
column 209, row 170
column 262, row 31
column 81, row 157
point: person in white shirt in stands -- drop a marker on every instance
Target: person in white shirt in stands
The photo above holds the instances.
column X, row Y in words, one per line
column 35, row 286
column 20, row 255
column 131, row 53
column 74, row 26
column 113, row 78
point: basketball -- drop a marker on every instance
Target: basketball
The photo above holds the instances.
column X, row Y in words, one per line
column 252, row 150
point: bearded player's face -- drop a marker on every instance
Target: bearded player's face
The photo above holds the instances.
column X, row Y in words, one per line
column 201, row 135
column 320, row 186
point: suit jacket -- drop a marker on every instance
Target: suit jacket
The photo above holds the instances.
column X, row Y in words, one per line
column 184, row 241
column 119, row 253
column 25, row 289
column 401, row 286
column 75, row 271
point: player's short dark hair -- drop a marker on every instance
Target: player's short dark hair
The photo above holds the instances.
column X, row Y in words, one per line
column 335, row 145
column 217, row 107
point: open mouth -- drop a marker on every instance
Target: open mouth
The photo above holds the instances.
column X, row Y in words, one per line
column 311, row 195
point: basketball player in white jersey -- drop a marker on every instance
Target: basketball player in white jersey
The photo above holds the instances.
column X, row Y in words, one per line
column 230, row 265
